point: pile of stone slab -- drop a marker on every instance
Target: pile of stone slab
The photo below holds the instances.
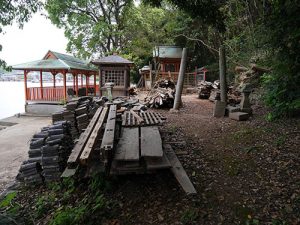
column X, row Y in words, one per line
column 56, row 150
column 48, row 153
column 78, row 112
column 30, row 173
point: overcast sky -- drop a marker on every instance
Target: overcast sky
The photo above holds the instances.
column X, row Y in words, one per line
column 32, row 42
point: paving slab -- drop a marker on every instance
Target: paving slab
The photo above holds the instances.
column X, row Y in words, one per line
column 14, row 144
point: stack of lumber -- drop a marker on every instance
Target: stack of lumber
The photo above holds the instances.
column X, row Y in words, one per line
column 162, row 95
column 204, row 89
column 82, row 151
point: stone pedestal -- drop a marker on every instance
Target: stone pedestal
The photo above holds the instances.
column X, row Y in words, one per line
column 239, row 116
column 109, row 88
column 219, row 109
column 245, row 102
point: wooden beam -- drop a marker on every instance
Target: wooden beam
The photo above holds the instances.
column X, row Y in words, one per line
column 78, row 148
column 54, row 80
column 85, row 155
column 86, row 85
column 41, row 83
column 76, row 84
column 65, row 84
column 73, row 82
column 25, row 84
column 107, row 144
column 178, row 171
column 128, row 148
column 95, row 85
column 151, row 143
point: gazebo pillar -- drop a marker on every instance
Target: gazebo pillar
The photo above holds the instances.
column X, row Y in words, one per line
column 65, row 84
column 86, row 85
column 73, row 81
column 54, row 79
column 41, row 83
column 81, row 76
column 25, row 85
column 95, row 85
column 76, row 84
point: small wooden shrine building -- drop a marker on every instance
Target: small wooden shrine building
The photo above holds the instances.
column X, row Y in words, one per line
column 168, row 57
column 57, row 63
column 114, row 69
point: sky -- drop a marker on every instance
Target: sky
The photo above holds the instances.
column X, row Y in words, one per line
column 32, row 42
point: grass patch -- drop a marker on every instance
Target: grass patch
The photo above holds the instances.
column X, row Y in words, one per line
column 189, row 216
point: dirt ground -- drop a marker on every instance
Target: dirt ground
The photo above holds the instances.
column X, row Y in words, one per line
column 244, row 172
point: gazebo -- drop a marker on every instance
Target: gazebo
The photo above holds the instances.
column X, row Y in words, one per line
column 57, row 63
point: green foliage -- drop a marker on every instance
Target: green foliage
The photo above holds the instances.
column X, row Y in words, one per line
column 7, row 200
column 189, row 216
column 69, row 216
column 91, row 26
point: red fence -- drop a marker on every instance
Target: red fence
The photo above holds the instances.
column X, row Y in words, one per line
column 51, row 94
column 190, row 79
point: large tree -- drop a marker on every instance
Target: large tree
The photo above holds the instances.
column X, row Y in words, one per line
column 16, row 10
column 92, row 26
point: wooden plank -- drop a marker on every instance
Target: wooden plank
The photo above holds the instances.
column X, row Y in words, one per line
column 128, row 146
column 85, row 155
column 144, row 117
column 139, row 119
column 107, row 144
column 178, row 171
column 157, row 163
column 74, row 156
column 68, row 172
column 149, row 117
column 151, row 143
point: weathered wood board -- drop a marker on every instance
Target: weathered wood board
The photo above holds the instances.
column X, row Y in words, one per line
column 151, row 143
column 107, row 144
column 157, row 163
column 93, row 138
column 75, row 154
column 178, row 171
column 128, row 146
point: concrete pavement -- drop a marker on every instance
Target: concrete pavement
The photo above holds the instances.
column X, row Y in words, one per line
column 14, row 144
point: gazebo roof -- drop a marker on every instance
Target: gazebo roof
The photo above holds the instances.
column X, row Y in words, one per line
column 56, row 61
column 112, row 60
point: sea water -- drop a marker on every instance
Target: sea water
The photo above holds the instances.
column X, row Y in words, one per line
column 12, row 96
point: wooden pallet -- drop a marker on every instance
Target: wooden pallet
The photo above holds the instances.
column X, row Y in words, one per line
column 129, row 119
